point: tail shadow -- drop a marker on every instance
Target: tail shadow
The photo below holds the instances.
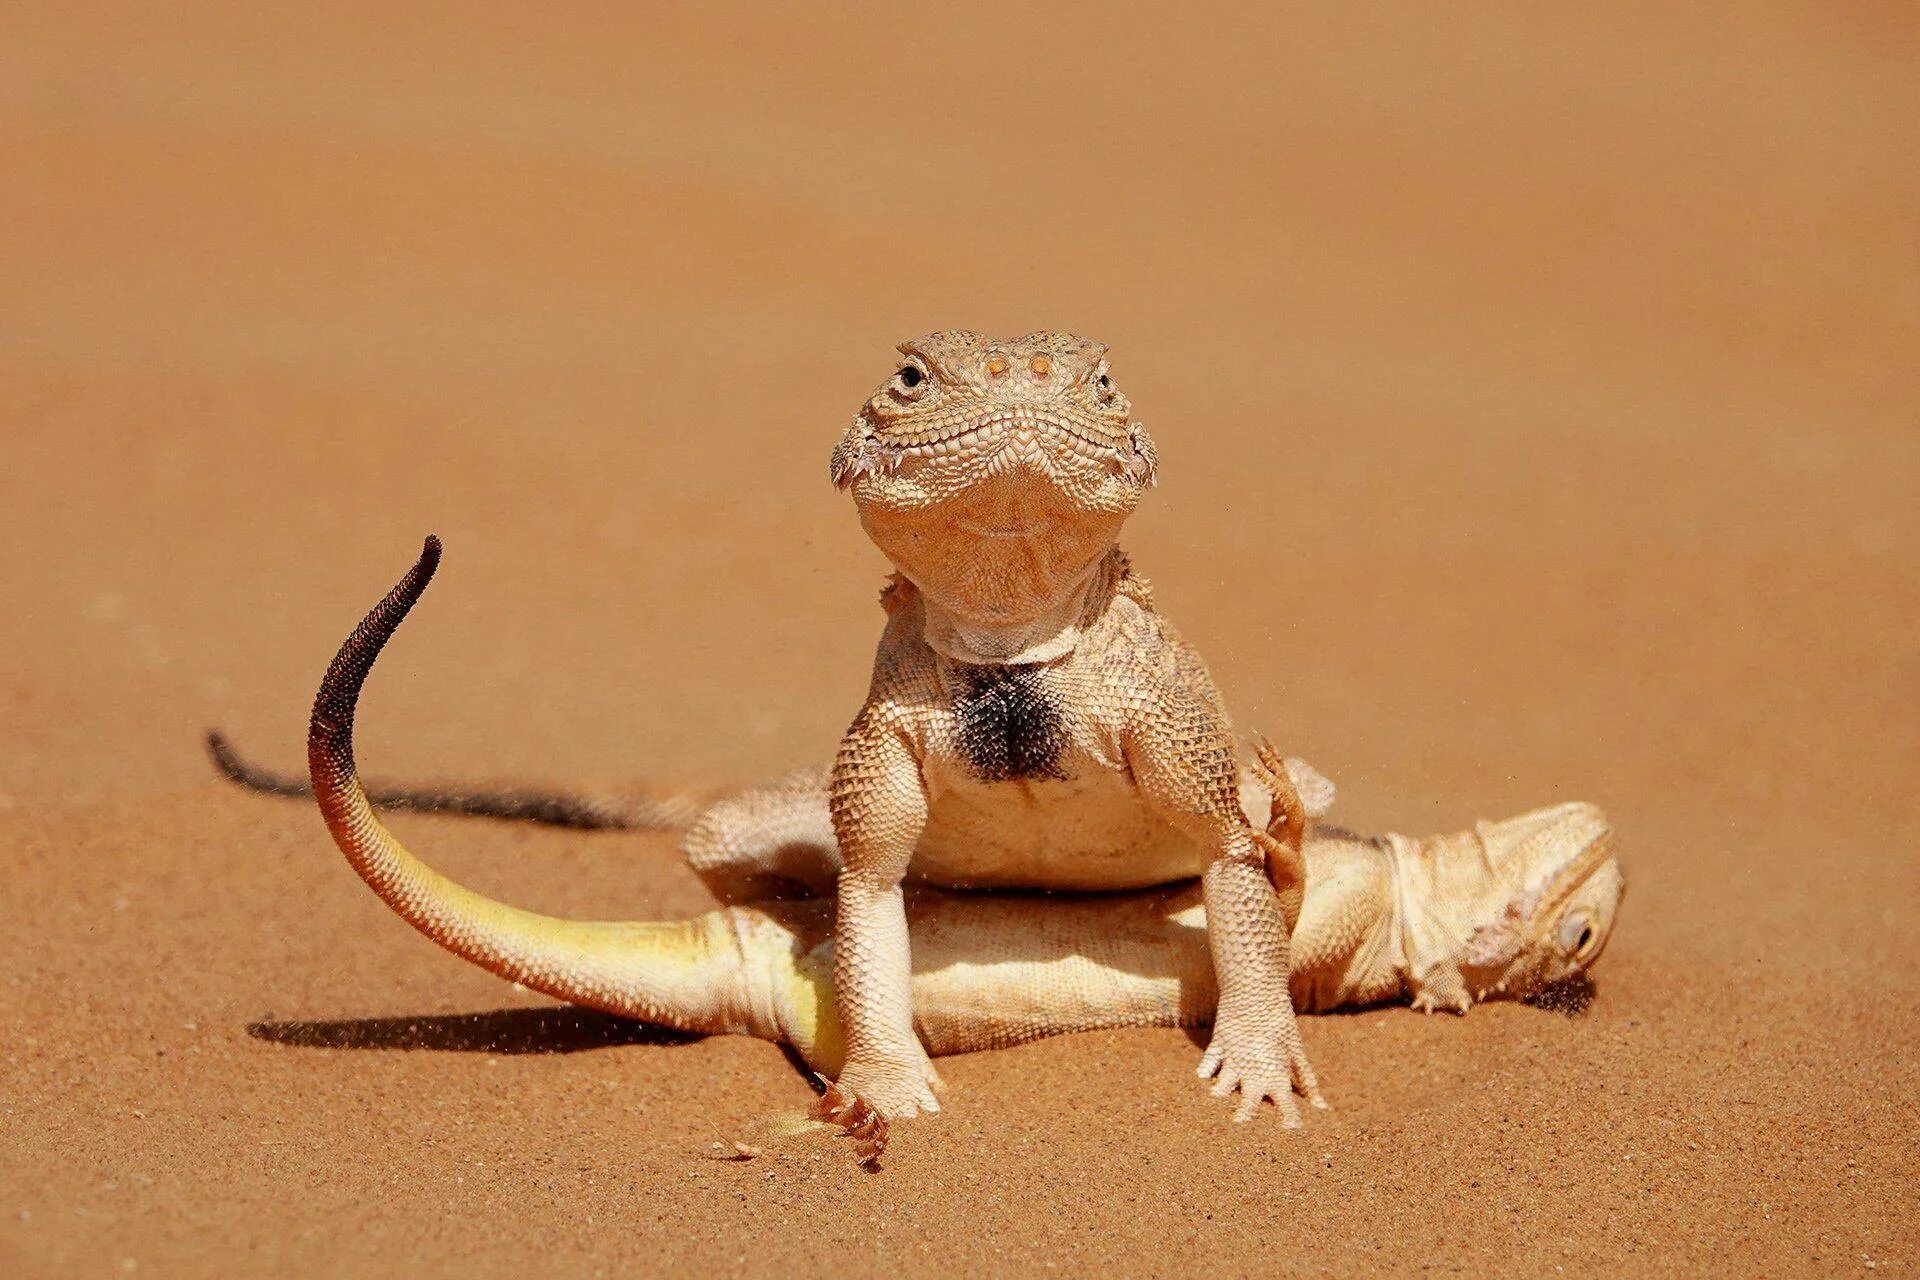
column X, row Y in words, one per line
column 542, row 1029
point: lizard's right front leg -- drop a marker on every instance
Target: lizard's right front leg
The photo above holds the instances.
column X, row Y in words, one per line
column 879, row 810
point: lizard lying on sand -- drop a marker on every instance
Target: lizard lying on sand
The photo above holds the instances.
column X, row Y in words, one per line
column 1505, row 909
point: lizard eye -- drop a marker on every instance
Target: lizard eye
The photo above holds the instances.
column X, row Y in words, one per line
column 910, row 382
column 1577, row 936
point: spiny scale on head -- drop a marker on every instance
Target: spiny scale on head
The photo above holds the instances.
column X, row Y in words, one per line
column 956, row 387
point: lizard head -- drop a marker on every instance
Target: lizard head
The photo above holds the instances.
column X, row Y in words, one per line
column 1557, row 921
column 996, row 473
column 1511, row 907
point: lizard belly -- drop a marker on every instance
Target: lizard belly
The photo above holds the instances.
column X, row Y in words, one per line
column 1086, row 831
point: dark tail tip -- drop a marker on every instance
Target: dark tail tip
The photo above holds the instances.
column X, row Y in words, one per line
column 330, row 733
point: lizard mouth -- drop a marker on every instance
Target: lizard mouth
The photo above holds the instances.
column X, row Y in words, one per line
column 990, row 531
column 982, row 432
column 1062, row 444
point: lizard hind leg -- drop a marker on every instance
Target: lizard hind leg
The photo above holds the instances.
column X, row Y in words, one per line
column 776, row 842
column 1286, row 827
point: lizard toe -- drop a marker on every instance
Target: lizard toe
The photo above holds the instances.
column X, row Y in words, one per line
column 1304, row 1081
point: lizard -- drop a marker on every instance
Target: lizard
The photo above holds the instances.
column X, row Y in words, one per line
column 1032, row 721
column 1504, row 910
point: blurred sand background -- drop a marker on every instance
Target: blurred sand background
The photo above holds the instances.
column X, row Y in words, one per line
column 1535, row 392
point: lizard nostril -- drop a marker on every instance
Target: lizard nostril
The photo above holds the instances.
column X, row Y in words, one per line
column 996, row 365
column 1041, row 366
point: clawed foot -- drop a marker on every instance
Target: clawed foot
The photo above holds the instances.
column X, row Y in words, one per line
column 1430, row 1002
column 1441, row 989
column 866, row 1097
column 1262, row 1062
column 856, row 1118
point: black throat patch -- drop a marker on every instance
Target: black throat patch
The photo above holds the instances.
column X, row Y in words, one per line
column 1008, row 725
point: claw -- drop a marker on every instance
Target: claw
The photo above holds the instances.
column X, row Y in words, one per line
column 857, row 1120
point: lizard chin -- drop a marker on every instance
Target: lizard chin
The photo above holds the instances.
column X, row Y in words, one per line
column 1007, row 555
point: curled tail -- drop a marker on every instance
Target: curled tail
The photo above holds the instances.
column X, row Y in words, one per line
column 689, row 975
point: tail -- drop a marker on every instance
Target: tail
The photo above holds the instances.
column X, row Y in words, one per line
column 554, row 808
column 689, row 975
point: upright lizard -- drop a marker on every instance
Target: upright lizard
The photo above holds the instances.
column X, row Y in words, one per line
column 1506, row 909
column 1032, row 722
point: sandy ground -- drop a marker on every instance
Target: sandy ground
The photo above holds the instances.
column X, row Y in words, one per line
column 1535, row 393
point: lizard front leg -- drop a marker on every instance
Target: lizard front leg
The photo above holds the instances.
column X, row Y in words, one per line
column 879, row 810
column 1256, row 1046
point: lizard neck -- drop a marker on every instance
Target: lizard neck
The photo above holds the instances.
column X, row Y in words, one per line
column 1050, row 631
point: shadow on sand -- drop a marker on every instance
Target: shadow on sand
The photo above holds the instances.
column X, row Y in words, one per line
column 544, row 1029
column 567, row 1029
column 1572, row 998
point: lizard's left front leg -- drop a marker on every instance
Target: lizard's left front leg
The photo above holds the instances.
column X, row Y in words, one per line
column 1256, row 1046
column 879, row 809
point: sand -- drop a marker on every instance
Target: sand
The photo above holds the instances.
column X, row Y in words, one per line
column 1534, row 388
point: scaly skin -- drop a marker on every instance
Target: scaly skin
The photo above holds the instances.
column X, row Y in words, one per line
column 1504, row 910
column 1032, row 722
